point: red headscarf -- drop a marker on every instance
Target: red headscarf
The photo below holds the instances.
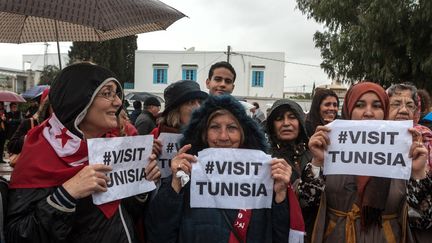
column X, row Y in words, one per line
column 372, row 191
column 358, row 90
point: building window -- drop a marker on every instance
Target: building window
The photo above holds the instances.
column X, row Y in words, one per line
column 128, row 85
column 257, row 78
column 189, row 72
column 160, row 73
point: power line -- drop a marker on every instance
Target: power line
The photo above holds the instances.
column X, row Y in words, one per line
column 276, row 60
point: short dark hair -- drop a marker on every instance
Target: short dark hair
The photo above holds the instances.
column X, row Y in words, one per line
column 222, row 64
column 137, row 105
column 256, row 105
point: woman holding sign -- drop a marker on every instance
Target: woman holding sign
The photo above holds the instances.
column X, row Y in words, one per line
column 51, row 185
column 181, row 98
column 359, row 208
column 221, row 122
column 288, row 139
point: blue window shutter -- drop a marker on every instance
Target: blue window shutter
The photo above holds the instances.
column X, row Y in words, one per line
column 253, row 78
column 194, row 76
column 184, row 74
column 262, row 78
column 155, row 76
column 165, row 76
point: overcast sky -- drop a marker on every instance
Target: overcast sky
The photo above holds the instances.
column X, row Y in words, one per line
column 245, row 25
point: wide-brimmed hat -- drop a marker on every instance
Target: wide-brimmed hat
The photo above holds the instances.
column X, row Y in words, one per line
column 181, row 91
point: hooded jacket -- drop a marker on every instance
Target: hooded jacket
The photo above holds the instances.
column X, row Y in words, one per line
column 177, row 222
column 40, row 209
column 293, row 152
column 253, row 134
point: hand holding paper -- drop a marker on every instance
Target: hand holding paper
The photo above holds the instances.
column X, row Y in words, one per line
column 281, row 173
column 182, row 161
column 318, row 143
column 418, row 153
column 152, row 170
column 87, row 181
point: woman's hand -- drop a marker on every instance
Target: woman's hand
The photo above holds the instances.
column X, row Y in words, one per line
column 182, row 161
column 318, row 143
column 281, row 173
column 88, row 180
column 157, row 147
column 152, row 170
column 419, row 155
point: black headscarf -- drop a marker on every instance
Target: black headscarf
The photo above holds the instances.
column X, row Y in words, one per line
column 73, row 91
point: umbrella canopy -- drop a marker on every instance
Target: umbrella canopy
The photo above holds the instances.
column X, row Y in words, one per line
column 35, row 91
column 81, row 20
column 8, row 96
column 141, row 96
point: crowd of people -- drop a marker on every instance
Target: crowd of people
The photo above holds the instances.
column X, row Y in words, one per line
column 48, row 198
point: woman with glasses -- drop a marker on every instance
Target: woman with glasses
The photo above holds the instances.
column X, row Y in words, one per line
column 221, row 122
column 52, row 183
column 360, row 208
column 404, row 105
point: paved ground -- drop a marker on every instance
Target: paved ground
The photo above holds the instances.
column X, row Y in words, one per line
column 5, row 169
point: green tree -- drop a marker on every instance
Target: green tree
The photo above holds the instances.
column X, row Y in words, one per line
column 118, row 55
column 48, row 74
column 385, row 41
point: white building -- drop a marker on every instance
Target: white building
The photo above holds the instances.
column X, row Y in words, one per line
column 38, row 61
column 259, row 74
column 15, row 80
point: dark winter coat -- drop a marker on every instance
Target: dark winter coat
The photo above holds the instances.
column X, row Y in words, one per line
column 295, row 153
column 16, row 142
column 13, row 120
column 145, row 123
column 177, row 222
column 47, row 213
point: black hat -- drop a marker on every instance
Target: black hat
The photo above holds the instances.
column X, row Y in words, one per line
column 181, row 91
column 152, row 101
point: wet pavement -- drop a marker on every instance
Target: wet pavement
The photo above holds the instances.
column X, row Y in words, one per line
column 5, row 169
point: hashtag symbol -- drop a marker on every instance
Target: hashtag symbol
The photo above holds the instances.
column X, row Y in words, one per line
column 342, row 136
column 209, row 167
column 170, row 147
column 107, row 158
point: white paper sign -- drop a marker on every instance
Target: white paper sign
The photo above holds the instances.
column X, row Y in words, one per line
column 231, row 179
column 128, row 157
column 370, row 148
column 170, row 146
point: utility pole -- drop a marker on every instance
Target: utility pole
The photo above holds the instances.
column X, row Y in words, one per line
column 228, row 54
column 46, row 54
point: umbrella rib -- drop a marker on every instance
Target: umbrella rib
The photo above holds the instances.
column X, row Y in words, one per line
column 22, row 28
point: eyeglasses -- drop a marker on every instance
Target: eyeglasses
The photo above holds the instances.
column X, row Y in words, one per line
column 398, row 105
column 110, row 95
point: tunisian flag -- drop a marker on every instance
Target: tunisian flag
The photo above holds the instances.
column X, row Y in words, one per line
column 51, row 155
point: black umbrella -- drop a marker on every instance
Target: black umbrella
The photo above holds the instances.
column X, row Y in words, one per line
column 81, row 20
column 142, row 96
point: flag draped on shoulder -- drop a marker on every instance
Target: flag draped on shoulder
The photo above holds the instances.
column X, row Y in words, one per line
column 51, row 155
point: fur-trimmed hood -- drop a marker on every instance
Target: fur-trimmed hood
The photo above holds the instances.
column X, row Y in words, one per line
column 253, row 135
